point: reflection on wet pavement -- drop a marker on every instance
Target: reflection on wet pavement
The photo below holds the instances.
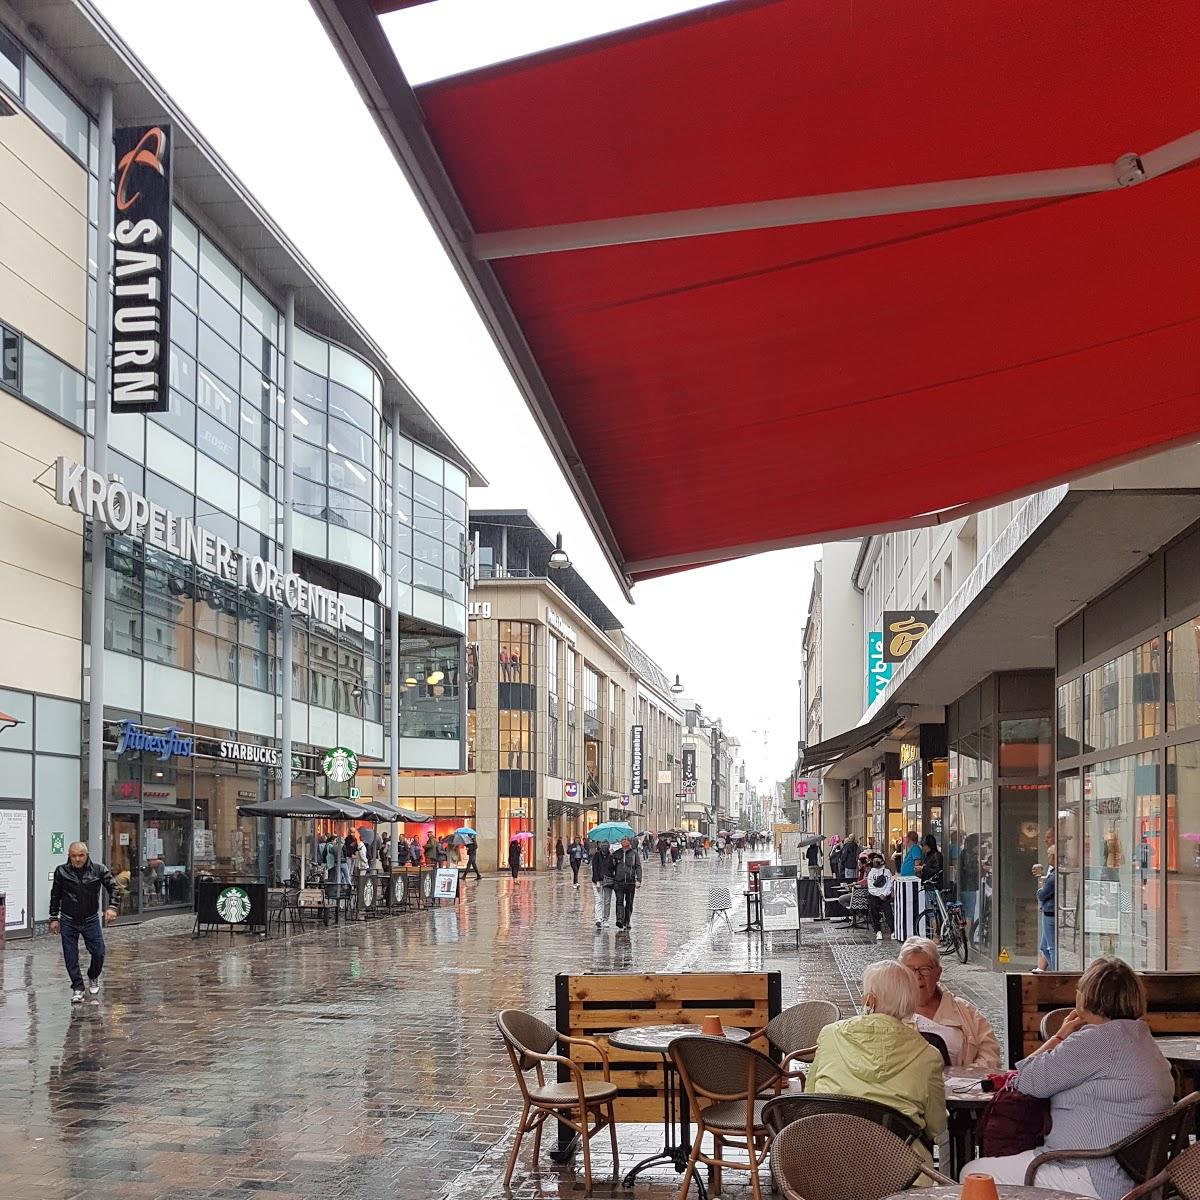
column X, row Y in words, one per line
column 355, row 1061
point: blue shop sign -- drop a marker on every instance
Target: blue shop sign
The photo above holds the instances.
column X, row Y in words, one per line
column 166, row 743
column 879, row 671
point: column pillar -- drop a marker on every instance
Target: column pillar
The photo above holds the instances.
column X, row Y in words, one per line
column 287, row 523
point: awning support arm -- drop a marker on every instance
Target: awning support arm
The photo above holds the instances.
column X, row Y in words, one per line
column 1128, row 170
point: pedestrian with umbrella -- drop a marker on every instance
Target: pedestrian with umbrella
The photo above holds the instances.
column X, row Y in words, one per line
column 514, row 856
column 601, row 884
column 470, row 839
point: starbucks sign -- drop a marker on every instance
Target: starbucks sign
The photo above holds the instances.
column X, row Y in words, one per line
column 339, row 764
column 233, row 905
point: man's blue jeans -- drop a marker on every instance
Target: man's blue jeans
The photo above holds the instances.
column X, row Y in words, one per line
column 93, row 938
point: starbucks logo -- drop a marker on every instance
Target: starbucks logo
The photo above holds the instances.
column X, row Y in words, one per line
column 368, row 893
column 339, row 764
column 427, row 884
column 233, row 905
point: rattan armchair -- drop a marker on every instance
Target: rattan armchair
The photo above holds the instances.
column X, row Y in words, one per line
column 1052, row 1023
column 787, row 1109
column 835, row 1156
column 724, row 1081
column 1141, row 1155
column 1181, row 1175
column 793, row 1033
column 529, row 1043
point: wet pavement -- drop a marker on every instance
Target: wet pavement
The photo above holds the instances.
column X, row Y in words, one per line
column 355, row 1061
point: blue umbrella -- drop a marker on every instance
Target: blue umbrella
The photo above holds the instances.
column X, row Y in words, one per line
column 467, row 831
column 611, row 831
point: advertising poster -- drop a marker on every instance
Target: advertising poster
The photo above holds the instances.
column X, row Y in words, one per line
column 14, row 866
column 780, row 898
column 1104, row 905
column 445, row 886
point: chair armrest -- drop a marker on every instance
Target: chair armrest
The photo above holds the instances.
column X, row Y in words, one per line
column 945, row 1180
column 1154, row 1184
column 1063, row 1156
column 806, row 1056
column 595, row 1045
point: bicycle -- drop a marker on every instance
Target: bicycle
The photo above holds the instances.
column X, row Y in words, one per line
column 945, row 924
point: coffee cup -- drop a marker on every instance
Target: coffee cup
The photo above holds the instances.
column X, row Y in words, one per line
column 711, row 1027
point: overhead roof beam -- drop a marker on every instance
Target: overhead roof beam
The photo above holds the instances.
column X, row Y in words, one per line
column 1128, row 170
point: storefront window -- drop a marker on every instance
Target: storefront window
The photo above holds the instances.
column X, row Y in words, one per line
column 1070, row 718
column 516, row 816
column 552, row 645
column 1183, row 675
column 1025, row 748
column 1123, row 839
column 1026, row 833
column 1183, row 855
column 1121, row 699
column 1068, row 888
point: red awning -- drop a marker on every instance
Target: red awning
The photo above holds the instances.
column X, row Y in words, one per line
column 714, row 394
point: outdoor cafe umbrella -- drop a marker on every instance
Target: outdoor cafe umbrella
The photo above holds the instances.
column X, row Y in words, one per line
column 309, row 808
column 611, row 831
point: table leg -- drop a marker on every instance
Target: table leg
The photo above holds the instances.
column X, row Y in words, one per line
column 674, row 1151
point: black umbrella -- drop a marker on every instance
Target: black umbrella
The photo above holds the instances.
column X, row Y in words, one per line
column 308, row 807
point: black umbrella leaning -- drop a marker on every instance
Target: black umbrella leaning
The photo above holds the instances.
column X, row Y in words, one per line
column 312, row 808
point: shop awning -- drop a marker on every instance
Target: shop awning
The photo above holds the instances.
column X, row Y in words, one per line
column 722, row 260
column 861, row 737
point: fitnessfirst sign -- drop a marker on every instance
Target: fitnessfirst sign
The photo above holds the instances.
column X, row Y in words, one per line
column 124, row 511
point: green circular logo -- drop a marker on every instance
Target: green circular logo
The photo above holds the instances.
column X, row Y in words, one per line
column 339, row 764
column 233, row 905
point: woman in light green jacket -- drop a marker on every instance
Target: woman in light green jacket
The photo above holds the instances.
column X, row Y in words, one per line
column 877, row 1056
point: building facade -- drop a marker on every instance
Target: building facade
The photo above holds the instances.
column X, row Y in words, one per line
column 192, row 658
column 555, row 688
column 1038, row 710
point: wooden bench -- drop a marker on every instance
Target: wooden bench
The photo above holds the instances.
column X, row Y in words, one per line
column 1173, row 999
column 595, row 1005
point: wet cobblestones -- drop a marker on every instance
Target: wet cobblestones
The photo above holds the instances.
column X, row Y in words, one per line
column 356, row 1061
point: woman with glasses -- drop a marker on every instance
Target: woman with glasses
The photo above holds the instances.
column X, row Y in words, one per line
column 965, row 1030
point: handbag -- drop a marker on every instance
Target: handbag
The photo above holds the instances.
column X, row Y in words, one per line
column 1012, row 1122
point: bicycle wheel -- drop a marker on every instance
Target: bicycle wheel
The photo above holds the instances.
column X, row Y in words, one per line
column 956, row 935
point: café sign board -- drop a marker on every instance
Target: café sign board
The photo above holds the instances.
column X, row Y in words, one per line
column 123, row 510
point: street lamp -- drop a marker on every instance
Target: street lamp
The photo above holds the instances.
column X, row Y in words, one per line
column 558, row 556
column 677, row 687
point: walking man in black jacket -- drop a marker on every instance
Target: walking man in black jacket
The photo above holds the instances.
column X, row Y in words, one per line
column 75, row 910
column 627, row 878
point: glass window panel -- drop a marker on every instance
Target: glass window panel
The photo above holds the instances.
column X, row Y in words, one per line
column 123, row 629
column 215, row 657
column 346, row 405
column 180, row 418
column 182, row 373
column 1183, row 856
column 427, row 464
column 427, row 576
column 349, row 477
column 308, row 497
column 308, row 462
column 429, row 550
column 130, row 473
column 183, row 326
column 1025, row 748
column 56, row 110
column 312, row 352
column 1183, row 675
column 10, row 64
column 255, row 467
column 168, row 495
column 351, row 443
column 1068, row 869
column 453, row 534
column 217, row 356
column 310, row 389
column 185, row 240
column 10, row 359
column 216, row 608
column 219, row 313
column 217, row 440
column 350, row 512
column 456, row 508
column 258, row 310
column 222, row 524
column 221, row 273
column 456, row 480
column 309, row 424
column 428, row 493
column 1070, row 718
column 167, row 643
column 51, row 384
column 183, row 283
column 257, row 350
column 1121, row 699
column 217, row 398
column 427, row 520
column 349, row 369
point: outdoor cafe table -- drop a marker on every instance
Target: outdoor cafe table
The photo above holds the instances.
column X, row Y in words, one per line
column 964, row 1102
column 657, row 1039
column 1006, row 1191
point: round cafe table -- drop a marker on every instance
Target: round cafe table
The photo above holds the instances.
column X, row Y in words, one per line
column 965, row 1100
column 657, row 1039
column 1183, row 1050
column 1006, row 1191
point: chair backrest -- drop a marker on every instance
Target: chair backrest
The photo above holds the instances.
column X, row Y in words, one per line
column 719, row 900
column 797, row 1028
column 523, row 1033
column 785, row 1110
column 836, row 1156
column 1148, row 1151
column 1184, row 1172
column 718, row 1069
column 1052, row 1022
column 939, row 1044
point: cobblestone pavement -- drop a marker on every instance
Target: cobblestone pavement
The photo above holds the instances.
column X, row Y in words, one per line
column 349, row 1062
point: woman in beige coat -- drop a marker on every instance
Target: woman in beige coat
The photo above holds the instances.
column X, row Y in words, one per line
column 964, row 1029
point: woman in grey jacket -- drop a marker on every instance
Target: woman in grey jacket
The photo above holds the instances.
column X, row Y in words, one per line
column 1104, row 1077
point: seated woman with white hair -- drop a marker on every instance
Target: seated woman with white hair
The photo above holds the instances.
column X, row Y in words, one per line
column 964, row 1029
column 880, row 1056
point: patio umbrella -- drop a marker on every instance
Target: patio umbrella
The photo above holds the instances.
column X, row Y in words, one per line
column 610, row 831
column 309, row 808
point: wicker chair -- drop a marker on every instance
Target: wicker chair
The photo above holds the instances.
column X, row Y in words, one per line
column 835, row 1156
column 529, row 1043
column 784, row 1110
column 723, row 1081
column 1141, row 1155
column 1181, row 1175
column 793, row 1035
column 1052, row 1023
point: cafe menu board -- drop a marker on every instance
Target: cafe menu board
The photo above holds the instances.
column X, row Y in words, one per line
column 780, row 897
column 14, row 866
column 446, row 884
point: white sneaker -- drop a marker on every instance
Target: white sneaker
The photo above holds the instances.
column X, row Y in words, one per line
column 605, row 924
column 77, row 995
column 94, row 986
column 879, row 936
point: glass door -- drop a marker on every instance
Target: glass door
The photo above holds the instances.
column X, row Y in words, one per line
column 125, row 858
column 165, row 837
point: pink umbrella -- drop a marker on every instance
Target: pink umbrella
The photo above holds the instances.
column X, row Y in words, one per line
column 523, row 836
column 1190, row 837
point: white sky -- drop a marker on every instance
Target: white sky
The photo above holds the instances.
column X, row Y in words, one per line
column 261, row 81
